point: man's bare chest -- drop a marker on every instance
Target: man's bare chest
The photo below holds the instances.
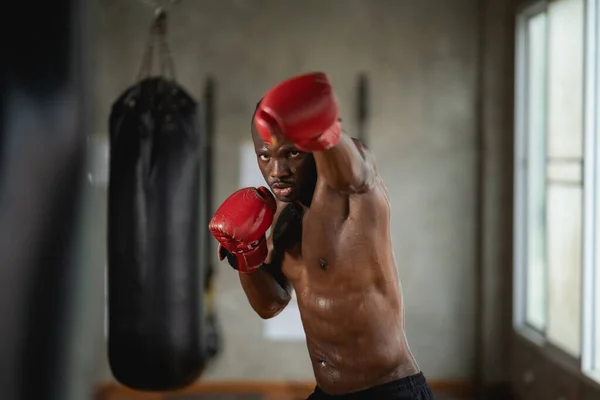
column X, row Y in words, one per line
column 320, row 251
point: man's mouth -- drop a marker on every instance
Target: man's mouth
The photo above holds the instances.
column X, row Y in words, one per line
column 282, row 190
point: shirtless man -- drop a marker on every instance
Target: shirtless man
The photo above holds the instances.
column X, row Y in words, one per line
column 330, row 242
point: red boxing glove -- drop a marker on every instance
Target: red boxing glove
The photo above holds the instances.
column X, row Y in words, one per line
column 303, row 110
column 240, row 225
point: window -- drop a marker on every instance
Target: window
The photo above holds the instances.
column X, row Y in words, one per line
column 557, row 183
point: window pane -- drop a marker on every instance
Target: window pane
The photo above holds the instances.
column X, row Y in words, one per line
column 536, row 106
column 564, row 188
column 565, row 90
column 564, row 264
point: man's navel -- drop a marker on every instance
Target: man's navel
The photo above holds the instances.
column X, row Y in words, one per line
column 323, row 264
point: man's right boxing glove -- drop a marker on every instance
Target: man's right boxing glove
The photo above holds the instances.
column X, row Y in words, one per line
column 240, row 225
column 302, row 109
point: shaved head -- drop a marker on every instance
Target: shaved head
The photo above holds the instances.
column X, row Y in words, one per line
column 290, row 173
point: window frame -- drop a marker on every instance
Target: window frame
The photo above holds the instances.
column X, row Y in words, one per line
column 591, row 261
column 520, row 175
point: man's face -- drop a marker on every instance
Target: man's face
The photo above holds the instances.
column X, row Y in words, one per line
column 290, row 173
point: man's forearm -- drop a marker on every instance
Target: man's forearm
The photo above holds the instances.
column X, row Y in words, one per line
column 346, row 166
column 266, row 294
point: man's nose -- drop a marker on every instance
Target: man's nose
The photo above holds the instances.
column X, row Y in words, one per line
column 280, row 169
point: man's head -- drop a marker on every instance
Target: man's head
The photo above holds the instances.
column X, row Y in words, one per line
column 290, row 173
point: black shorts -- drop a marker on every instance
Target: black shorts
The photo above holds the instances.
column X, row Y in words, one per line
column 410, row 388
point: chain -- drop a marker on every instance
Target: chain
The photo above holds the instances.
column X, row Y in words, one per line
column 159, row 5
column 157, row 41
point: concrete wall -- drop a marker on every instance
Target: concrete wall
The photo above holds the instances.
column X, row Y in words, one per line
column 422, row 58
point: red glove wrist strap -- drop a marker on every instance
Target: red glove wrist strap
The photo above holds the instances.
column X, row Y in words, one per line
column 249, row 261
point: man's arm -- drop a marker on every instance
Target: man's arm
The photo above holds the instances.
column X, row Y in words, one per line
column 240, row 225
column 347, row 167
column 267, row 289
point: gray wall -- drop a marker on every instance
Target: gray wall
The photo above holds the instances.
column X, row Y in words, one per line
column 422, row 57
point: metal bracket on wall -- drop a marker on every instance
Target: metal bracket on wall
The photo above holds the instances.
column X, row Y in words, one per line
column 362, row 109
column 209, row 121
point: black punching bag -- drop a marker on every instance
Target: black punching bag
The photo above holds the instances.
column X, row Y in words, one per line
column 155, row 310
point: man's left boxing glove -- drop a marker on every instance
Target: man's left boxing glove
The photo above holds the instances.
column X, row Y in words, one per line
column 303, row 110
column 240, row 225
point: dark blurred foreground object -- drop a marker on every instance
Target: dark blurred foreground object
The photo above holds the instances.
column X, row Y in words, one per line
column 42, row 154
column 155, row 283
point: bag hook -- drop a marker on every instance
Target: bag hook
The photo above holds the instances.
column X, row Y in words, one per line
column 159, row 6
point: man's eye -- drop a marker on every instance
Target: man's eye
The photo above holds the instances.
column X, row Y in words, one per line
column 293, row 153
column 264, row 157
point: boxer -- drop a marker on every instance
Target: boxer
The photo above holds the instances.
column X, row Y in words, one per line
column 330, row 243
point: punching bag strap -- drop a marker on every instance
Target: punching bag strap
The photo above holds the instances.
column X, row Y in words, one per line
column 157, row 43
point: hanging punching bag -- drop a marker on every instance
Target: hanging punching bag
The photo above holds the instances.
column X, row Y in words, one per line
column 155, row 310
